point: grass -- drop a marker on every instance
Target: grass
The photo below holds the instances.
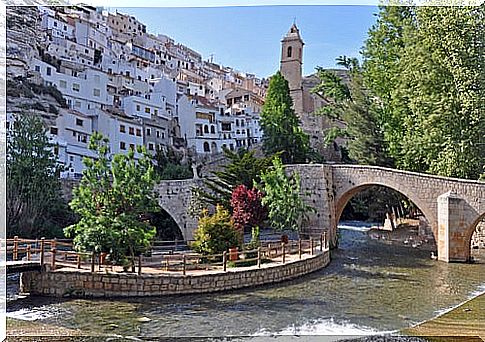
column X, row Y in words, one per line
column 467, row 320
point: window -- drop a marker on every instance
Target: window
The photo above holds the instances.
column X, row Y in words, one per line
column 237, row 122
column 76, row 87
column 131, row 130
column 37, row 68
column 158, row 133
column 163, row 135
column 156, row 111
column 62, row 84
column 138, row 108
column 49, row 71
column 96, row 92
column 56, row 150
column 71, row 158
column 150, row 147
column 213, row 130
column 54, row 130
column 122, row 129
column 122, row 145
column 149, row 131
column 79, row 122
column 206, row 147
column 147, row 110
column 289, row 51
column 132, row 147
column 138, row 132
column 77, row 104
column 206, row 129
column 55, row 23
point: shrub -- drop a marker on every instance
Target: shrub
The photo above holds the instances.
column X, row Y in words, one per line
column 215, row 233
column 247, row 210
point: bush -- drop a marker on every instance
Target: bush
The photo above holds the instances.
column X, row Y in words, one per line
column 215, row 233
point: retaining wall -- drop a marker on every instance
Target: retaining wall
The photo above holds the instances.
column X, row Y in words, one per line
column 78, row 283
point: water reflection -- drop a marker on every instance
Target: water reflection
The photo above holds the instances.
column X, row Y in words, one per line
column 369, row 287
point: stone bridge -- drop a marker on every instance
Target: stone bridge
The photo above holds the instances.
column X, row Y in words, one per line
column 453, row 207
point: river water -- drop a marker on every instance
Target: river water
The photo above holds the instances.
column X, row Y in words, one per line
column 369, row 287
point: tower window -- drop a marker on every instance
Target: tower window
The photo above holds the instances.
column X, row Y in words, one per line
column 289, row 51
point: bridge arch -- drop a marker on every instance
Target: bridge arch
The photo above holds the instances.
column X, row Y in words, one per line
column 343, row 198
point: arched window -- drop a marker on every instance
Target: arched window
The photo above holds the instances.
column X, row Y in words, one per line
column 289, row 51
column 213, row 130
column 237, row 122
column 214, row 147
column 206, row 129
column 206, row 147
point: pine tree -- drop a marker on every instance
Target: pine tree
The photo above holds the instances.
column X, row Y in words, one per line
column 281, row 126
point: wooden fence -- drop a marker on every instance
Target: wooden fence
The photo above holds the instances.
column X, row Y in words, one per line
column 168, row 256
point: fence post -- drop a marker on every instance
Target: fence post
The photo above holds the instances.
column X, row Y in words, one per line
column 176, row 243
column 54, row 243
column 167, row 263
column 224, row 260
column 15, row 247
column 53, row 252
column 259, row 257
column 92, row 261
column 311, row 246
column 283, row 251
column 321, row 242
column 299, row 248
column 325, row 239
column 78, row 261
column 184, row 266
column 269, row 250
column 42, row 243
column 139, row 264
column 28, row 252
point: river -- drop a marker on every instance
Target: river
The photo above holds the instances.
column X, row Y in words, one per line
column 369, row 287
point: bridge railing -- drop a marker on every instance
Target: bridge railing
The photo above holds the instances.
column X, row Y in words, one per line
column 60, row 254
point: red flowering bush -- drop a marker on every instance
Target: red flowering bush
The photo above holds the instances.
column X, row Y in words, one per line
column 248, row 211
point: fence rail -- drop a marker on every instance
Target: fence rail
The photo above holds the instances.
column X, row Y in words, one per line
column 176, row 257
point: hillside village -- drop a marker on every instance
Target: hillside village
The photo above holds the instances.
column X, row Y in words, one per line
column 84, row 69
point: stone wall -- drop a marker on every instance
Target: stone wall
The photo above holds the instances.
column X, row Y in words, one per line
column 86, row 284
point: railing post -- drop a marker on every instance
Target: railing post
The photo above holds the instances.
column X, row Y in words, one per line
column 176, row 243
column 28, row 252
column 53, row 252
column 325, row 240
column 92, row 261
column 299, row 248
column 224, row 261
column 321, row 242
column 259, row 257
column 78, row 261
column 54, row 243
column 269, row 250
column 139, row 264
column 184, row 265
column 311, row 246
column 167, row 263
column 42, row 244
column 283, row 251
column 15, row 247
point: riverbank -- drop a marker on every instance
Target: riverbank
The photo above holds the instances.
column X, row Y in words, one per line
column 466, row 320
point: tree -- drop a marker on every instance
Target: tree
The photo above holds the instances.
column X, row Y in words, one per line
column 442, row 77
column 281, row 126
column 286, row 208
column 168, row 164
column 114, row 201
column 35, row 206
column 243, row 167
column 247, row 209
column 350, row 102
column 215, row 233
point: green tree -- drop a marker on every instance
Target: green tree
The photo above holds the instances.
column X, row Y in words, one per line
column 114, row 201
column 215, row 233
column 286, row 208
column 35, row 206
column 349, row 102
column 243, row 168
column 442, row 78
column 281, row 126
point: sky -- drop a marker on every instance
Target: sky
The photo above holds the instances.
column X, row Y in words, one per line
column 248, row 38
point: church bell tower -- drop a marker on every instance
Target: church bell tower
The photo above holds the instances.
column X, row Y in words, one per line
column 291, row 66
